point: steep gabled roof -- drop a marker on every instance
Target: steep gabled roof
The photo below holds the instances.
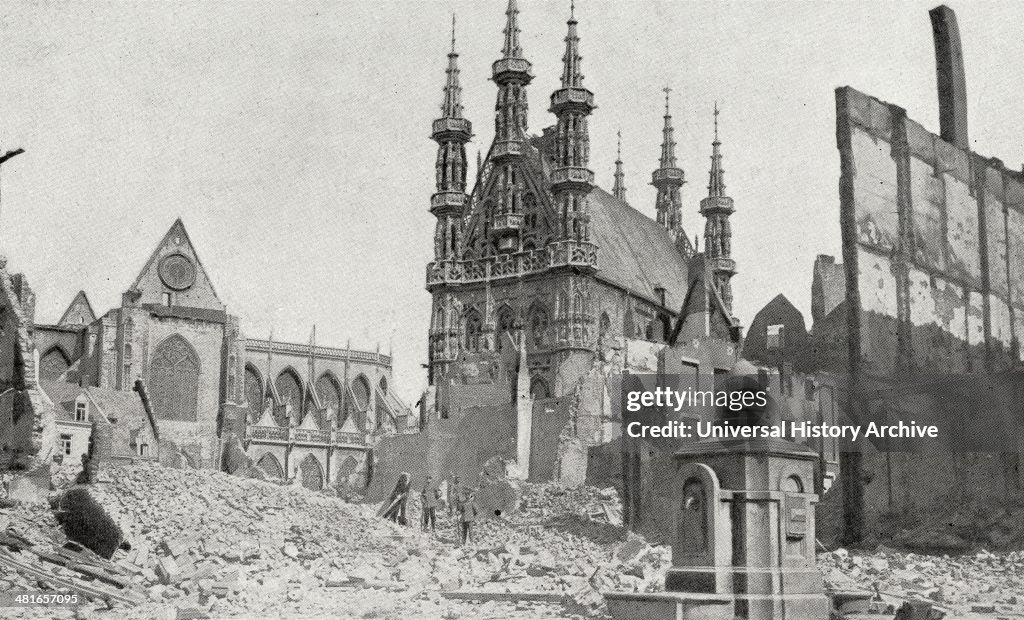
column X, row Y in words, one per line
column 200, row 294
column 634, row 252
column 79, row 311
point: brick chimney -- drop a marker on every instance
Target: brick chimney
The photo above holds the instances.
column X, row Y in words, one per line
column 952, row 83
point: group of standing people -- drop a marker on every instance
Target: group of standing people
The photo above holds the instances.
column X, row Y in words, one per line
column 460, row 501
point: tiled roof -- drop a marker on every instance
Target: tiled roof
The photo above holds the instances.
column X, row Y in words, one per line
column 63, row 396
column 114, row 404
column 117, row 405
column 635, row 252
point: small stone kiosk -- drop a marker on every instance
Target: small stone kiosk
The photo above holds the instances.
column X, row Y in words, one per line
column 744, row 544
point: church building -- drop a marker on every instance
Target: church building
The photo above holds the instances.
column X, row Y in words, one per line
column 196, row 388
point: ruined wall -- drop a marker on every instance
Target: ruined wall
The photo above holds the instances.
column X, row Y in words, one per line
column 791, row 345
column 196, row 437
column 27, row 424
column 933, row 244
column 458, row 445
column 933, row 249
column 828, row 287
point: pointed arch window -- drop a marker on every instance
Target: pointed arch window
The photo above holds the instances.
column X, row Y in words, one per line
column 312, row 473
column 271, row 466
column 506, row 323
column 329, row 391
column 174, row 377
column 605, row 326
column 53, row 364
column 289, row 389
column 539, row 326
column 539, row 388
column 361, row 399
column 254, row 392
column 474, row 330
column 531, row 214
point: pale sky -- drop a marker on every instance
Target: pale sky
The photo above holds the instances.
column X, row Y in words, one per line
column 292, row 138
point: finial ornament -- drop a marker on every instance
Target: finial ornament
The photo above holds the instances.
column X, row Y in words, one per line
column 717, row 112
column 572, row 9
column 453, row 33
column 619, row 187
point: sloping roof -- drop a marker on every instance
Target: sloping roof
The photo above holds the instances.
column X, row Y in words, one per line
column 63, row 396
column 78, row 308
column 634, row 252
column 117, row 405
column 113, row 404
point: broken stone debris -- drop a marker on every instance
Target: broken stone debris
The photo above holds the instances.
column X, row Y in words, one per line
column 209, row 544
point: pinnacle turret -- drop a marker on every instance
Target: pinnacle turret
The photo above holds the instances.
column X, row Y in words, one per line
column 451, row 132
column 669, row 180
column 716, row 183
column 571, row 180
column 512, row 74
column 716, row 209
column 668, row 142
column 619, row 187
column 512, row 49
column 451, row 106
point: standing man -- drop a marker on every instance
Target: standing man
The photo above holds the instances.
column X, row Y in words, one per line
column 394, row 508
column 431, row 496
column 454, row 492
column 467, row 514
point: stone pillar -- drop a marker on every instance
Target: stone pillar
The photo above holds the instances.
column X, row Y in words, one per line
column 524, row 416
column 101, row 450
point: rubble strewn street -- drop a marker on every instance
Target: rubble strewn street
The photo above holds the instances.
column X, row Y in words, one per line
column 206, row 544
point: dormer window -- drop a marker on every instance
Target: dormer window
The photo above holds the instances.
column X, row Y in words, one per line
column 80, row 411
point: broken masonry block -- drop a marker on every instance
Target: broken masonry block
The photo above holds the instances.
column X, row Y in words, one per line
column 167, row 571
column 85, row 522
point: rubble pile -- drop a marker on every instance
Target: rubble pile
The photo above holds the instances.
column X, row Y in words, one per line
column 563, row 540
column 985, row 583
column 206, row 543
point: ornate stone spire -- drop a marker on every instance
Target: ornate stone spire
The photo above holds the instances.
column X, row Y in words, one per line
column 511, row 48
column 668, row 142
column 571, row 180
column 619, row 188
column 571, row 76
column 512, row 74
column 451, row 106
column 716, row 209
column 716, row 184
column 451, row 132
column 669, row 179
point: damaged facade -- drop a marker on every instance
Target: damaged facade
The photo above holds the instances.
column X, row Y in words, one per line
column 172, row 375
column 546, row 286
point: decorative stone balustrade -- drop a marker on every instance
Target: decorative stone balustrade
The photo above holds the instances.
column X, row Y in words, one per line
column 579, row 254
column 507, row 222
column 304, row 436
column 668, row 174
column 572, row 175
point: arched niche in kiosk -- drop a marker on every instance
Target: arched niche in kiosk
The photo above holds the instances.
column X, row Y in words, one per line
column 697, row 516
